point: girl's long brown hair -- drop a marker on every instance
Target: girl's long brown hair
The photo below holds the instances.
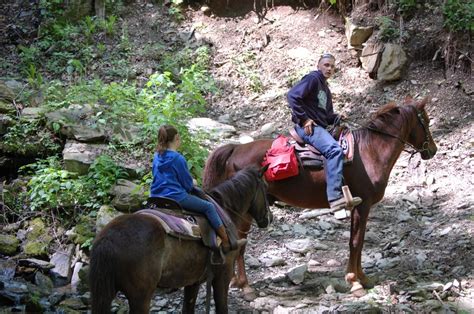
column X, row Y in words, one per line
column 166, row 135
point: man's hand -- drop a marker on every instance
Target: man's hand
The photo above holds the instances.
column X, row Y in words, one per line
column 308, row 127
column 343, row 116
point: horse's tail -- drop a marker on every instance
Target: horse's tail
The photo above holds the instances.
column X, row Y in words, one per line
column 215, row 168
column 102, row 276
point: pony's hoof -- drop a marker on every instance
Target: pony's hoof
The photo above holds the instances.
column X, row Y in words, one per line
column 357, row 290
column 249, row 294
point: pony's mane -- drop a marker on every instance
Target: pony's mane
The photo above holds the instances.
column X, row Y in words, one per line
column 390, row 119
column 240, row 187
column 388, row 115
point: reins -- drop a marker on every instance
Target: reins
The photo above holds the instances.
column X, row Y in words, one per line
column 405, row 143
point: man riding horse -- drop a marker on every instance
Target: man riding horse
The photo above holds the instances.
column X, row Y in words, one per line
column 310, row 101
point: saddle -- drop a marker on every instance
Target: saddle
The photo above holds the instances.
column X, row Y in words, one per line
column 182, row 224
column 310, row 157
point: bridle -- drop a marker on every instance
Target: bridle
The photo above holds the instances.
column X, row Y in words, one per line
column 261, row 185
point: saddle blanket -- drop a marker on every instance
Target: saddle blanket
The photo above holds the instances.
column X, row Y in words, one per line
column 177, row 225
column 185, row 226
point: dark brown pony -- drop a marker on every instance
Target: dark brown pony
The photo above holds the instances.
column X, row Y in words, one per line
column 377, row 147
column 134, row 255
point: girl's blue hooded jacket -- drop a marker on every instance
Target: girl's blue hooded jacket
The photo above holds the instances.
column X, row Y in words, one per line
column 171, row 176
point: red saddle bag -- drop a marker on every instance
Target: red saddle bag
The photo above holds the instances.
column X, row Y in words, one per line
column 281, row 159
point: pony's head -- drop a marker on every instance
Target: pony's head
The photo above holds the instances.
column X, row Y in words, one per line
column 420, row 135
column 245, row 192
column 259, row 209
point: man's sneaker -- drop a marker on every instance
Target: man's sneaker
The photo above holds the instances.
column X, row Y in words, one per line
column 341, row 203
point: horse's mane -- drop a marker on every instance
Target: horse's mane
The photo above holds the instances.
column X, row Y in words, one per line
column 387, row 120
column 214, row 169
column 240, row 187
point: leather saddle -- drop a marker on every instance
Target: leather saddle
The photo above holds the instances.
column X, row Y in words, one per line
column 180, row 223
column 310, row 157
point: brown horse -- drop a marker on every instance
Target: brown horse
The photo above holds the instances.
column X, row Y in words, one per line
column 133, row 253
column 377, row 148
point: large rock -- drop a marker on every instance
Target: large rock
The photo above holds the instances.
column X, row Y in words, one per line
column 357, row 35
column 216, row 130
column 383, row 62
column 104, row 216
column 129, row 196
column 7, row 107
column 6, row 93
column 32, row 113
column 62, row 261
column 37, row 239
column 78, row 157
column 392, row 63
column 5, row 122
column 74, row 123
column 8, row 244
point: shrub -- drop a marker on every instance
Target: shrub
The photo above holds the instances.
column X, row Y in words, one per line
column 459, row 15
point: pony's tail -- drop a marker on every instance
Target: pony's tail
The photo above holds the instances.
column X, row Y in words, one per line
column 102, row 276
column 215, row 168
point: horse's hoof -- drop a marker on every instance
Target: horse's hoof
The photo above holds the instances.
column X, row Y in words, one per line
column 234, row 283
column 249, row 294
column 368, row 284
column 357, row 290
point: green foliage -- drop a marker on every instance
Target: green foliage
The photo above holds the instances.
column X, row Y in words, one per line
column 29, row 56
column 388, row 29
column 102, row 175
column 247, row 67
column 74, row 65
column 165, row 98
column 54, row 188
column 29, row 138
column 66, row 47
column 89, row 26
column 175, row 10
column 175, row 62
column 459, row 15
column 406, row 6
column 35, row 79
column 51, row 187
column 108, row 25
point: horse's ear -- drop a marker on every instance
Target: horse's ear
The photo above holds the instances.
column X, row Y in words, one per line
column 236, row 168
column 421, row 105
column 263, row 169
column 408, row 100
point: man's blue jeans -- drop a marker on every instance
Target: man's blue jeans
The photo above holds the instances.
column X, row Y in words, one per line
column 327, row 145
column 198, row 205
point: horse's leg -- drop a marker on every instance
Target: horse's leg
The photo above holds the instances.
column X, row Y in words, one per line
column 139, row 301
column 139, row 293
column 355, row 276
column 240, row 278
column 190, row 296
column 220, row 285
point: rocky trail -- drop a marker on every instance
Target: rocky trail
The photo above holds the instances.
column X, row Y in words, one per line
column 418, row 246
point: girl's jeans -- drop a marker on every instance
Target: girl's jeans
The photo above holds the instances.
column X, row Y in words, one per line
column 198, row 205
column 330, row 149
